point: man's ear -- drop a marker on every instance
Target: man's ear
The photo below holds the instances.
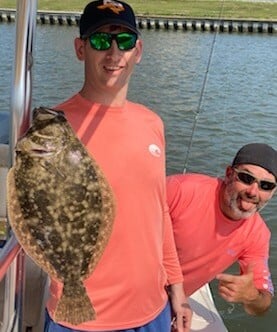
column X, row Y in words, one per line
column 79, row 45
column 228, row 172
column 139, row 50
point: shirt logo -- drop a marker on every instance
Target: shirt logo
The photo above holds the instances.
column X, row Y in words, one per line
column 114, row 6
column 231, row 252
column 154, row 150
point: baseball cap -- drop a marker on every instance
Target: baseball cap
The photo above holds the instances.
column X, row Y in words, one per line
column 258, row 154
column 102, row 12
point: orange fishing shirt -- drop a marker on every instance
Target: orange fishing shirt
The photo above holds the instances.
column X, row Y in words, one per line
column 127, row 288
column 207, row 242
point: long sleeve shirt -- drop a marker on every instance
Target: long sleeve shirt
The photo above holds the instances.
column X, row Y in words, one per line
column 127, row 287
column 207, row 241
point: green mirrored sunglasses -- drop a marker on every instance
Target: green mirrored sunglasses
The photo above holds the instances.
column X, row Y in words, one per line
column 102, row 41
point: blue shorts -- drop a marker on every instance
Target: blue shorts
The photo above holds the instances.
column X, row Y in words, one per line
column 160, row 324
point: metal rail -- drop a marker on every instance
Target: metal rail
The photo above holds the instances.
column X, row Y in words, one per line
column 11, row 257
column 22, row 84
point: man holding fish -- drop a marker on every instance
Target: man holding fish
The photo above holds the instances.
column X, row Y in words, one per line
column 139, row 267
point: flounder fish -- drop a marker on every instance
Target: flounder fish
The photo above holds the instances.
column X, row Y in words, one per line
column 61, row 208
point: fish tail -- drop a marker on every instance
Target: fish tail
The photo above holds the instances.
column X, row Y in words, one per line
column 74, row 306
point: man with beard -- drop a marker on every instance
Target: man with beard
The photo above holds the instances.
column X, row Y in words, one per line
column 216, row 222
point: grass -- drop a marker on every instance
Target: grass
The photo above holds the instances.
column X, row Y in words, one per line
column 184, row 8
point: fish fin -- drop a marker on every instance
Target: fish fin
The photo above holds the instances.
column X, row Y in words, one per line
column 74, row 308
column 53, row 169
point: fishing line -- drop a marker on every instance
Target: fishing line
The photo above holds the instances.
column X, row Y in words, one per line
column 199, row 106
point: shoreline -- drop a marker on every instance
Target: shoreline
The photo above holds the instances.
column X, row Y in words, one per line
column 178, row 17
column 153, row 22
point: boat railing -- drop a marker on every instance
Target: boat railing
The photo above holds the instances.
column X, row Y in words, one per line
column 11, row 256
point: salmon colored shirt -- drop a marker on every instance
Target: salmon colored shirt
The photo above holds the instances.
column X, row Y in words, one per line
column 127, row 288
column 207, row 242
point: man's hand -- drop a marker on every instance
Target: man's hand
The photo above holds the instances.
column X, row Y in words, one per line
column 241, row 289
column 182, row 313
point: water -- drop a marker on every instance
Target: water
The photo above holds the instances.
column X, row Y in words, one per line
column 239, row 105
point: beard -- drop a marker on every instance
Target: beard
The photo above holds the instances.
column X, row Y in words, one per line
column 234, row 199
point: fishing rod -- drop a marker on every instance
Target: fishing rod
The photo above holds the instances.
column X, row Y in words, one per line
column 203, row 89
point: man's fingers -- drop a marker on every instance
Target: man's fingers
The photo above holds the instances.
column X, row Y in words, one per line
column 230, row 277
column 226, row 278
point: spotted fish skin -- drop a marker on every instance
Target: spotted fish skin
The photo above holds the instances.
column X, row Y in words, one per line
column 61, row 208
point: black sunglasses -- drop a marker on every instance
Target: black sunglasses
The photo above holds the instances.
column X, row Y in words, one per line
column 248, row 179
column 102, row 41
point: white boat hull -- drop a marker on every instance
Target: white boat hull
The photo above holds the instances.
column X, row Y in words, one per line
column 205, row 315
